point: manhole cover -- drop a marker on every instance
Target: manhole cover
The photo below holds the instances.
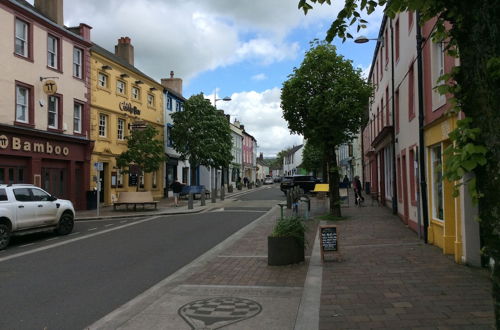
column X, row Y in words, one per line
column 215, row 313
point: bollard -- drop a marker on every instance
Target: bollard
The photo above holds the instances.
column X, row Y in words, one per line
column 222, row 193
column 281, row 205
column 190, row 202
column 305, row 200
column 202, row 198
column 289, row 199
column 214, row 195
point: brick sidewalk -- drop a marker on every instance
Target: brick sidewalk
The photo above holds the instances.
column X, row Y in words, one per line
column 389, row 279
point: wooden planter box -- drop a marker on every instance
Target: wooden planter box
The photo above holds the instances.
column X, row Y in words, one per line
column 284, row 251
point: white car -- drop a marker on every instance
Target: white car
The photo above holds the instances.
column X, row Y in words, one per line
column 268, row 180
column 25, row 209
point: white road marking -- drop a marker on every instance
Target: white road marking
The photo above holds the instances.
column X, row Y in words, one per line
column 74, row 233
column 51, row 239
column 43, row 248
column 109, row 225
column 92, row 229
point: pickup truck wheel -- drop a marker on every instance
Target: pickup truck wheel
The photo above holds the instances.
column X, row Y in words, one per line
column 66, row 224
column 4, row 236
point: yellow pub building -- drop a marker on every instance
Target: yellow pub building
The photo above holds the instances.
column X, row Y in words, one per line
column 122, row 98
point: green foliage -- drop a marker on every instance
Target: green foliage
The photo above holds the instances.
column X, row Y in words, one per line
column 325, row 98
column 202, row 134
column 464, row 155
column 312, row 157
column 290, row 227
column 143, row 150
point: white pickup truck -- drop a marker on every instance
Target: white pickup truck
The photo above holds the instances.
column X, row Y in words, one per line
column 25, row 209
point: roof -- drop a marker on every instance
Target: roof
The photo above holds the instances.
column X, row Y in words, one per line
column 106, row 53
column 174, row 93
column 294, row 149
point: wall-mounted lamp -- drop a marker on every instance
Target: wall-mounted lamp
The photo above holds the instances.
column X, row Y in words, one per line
column 106, row 67
column 138, row 82
column 43, row 78
column 124, row 75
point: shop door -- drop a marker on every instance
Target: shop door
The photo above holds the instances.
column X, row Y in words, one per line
column 54, row 182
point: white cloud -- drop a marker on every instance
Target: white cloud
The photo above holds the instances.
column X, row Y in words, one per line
column 259, row 77
column 262, row 116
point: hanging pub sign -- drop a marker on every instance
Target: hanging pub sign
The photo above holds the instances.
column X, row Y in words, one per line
column 50, row 87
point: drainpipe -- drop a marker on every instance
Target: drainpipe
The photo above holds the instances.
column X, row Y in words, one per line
column 393, row 134
column 421, row 149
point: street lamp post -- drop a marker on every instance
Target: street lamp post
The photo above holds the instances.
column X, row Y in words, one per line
column 226, row 99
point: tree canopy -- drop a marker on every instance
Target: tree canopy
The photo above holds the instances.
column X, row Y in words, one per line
column 144, row 151
column 312, row 158
column 325, row 100
column 202, row 134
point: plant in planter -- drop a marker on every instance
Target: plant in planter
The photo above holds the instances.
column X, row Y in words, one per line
column 239, row 185
column 286, row 243
column 230, row 188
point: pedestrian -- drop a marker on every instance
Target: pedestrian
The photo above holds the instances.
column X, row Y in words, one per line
column 245, row 181
column 346, row 182
column 357, row 190
column 176, row 188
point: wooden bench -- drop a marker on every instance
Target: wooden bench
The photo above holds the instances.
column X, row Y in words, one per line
column 187, row 190
column 135, row 197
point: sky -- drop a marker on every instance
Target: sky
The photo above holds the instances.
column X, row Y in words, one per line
column 237, row 48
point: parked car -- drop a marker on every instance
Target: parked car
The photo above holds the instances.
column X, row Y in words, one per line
column 26, row 209
column 306, row 182
column 277, row 179
column 268, row 180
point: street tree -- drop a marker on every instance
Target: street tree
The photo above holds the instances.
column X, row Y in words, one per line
column 471, row 30
column 201, row 134
column 144, row 154
column 324, row 100
column 312, row 158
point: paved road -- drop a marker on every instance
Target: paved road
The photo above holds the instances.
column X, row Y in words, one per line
column 67, row 283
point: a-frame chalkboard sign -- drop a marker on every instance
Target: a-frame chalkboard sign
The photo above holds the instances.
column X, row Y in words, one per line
column 329, row 240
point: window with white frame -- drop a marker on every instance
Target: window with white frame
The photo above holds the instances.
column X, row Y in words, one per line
column 103, row 125
column 52, row 51
column 77, row 62
column 102, row 80
column 437, row 183
column 22, row 38
column 151, row 100
column 177, row 106
column 77, row 117
column 53, row 110
column 169, row 103
column 120, row 129
column 22, row 104
column 120, row 87
column 438, row 55
column 135, row 93
column 119, row 178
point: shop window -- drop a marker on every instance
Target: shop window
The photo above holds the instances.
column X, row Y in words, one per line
column 437, row 183
column 102, row 80
column 103, row 125
column 53, row 52
column 77, row 117
column 22, row 38
column 77, row 63
column 120, row 129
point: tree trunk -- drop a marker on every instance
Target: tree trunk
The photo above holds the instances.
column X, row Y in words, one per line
column 333, row 181
column 192, row 170
column 478, row 38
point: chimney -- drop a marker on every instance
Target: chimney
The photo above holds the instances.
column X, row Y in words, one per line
column 83, row 30
column 125, row 50
column 52, row 9
column 236, row 122
column 172, row 83
column 261, row 156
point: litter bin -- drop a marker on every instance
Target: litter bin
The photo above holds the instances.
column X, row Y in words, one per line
column 91, row 200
